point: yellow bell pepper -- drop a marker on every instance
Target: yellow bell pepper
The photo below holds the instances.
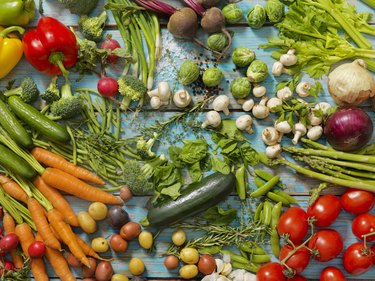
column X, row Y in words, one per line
column 11, row 49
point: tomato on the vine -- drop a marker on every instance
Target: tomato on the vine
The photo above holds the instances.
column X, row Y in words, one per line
column 373, row 254
column 325, row 210
column 326, row 245
column 332, row 273
column 357, row 259
column 271, row 271
column 364, row 224
column 294, row 222
column 297, row 261
column 357, row 201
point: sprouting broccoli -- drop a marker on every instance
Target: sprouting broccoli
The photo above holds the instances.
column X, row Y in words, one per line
column 27, row 90
column 80, row 7
column 143, row 147
column 92, row 27
column 132, row 89
column 68, row 105
column 52, row 93
column 137, row 177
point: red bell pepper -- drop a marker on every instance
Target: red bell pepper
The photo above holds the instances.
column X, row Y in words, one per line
column 51, row 47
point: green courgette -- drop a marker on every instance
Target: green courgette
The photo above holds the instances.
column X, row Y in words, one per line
column 195, row 199
column 39, row 122
column 13, row 127
column 14, row 163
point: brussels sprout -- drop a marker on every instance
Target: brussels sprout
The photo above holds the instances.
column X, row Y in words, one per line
column 240, row 87
column 257, row 71
column 212, row 77
column 242, row 56
column 217, row 41
column 188, row 73
column 256, row 16
column 274, row 10
column 232, row 13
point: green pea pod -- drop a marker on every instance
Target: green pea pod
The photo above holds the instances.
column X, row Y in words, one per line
column 244, row 254
column 275, row 215
column 266, row 187
column 275, row 242
column 251, row 267
column 267, row 213
column 288, row 197
column 260, row 258
column 266, row 176
column 251, row 248
column 16, row 12
column 258, row 182
column 234, row 257
column 258, row 211
column 241, row 182
column 276, row 198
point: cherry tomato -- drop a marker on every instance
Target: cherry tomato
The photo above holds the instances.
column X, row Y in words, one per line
column 357, row 259
column 332, row 273
column 271, row 271
column 325, row 210
column 298, row 261
column 357, row 201
column 37, row 249
column 364, row 224
column 294, row 223
column 297, row 277
column 9, row 242
column 326, row 244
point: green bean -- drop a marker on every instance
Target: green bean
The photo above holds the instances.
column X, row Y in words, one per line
column 251, row 248
column 241, row 182
column 267, row 213
column 266, row 176
column 258, row 210
column 276, row 198
column 288, row 197
column 258, row 182
column 244, row 254
column 266, row 187
column 260, row 258
column 275, row 242
column 234, row 257
column 275, row 214
column 251, row 267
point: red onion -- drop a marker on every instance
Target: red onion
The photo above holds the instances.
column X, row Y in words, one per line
column 348, row 129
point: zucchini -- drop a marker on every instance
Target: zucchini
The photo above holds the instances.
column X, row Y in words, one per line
column 16, row 164
column 195, row 199
column 13, row 127
column 37, row 120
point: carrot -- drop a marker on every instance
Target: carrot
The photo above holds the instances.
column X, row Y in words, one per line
column 58, row 263
column 9, row 226
column 42, row 225
column 25, row 234
column 58, row 201
column 72, row 185
column 87, row 249
column 13, row 189
column 50, row 159
column 67, row 235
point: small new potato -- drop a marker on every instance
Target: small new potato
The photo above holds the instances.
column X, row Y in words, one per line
column 130, row 230
column 206, row 264
column 136, row 266
column 99, row 244
column 119, row 277
column 171, row 262
column 86, row 222
column 146, row 239
column 104, row 271
column 118, row 244
column 189, row 255
column 188, row 271
column 98, row 211
column 178, row 237
column 89, row 272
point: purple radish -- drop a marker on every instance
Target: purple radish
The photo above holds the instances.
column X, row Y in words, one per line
column 110, row 44
column 107, row 86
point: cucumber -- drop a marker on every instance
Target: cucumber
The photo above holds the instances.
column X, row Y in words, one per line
column 37, row 120
column 195, row 199
column 13, row 127
column 14, row 163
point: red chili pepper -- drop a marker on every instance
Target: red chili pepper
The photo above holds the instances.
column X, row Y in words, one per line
column 51, row 47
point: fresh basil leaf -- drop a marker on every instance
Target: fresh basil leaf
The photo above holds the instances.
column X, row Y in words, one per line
column 249, row 155
column 174, row 153
column 195, row 172
column 229, row 129
column 220, row 165
column 193, row 151
column 172, row 191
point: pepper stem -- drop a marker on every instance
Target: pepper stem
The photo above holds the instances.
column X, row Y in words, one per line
column 57, row 59
column 11, row 29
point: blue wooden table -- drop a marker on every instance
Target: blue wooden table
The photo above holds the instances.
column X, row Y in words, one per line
column 166, row 71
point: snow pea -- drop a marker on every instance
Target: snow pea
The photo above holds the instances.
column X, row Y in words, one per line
column 258, row 182
column 241, row 182
column 276, row 198
column 266, row 176
column 260, row 258
column 258, row 211
column 275, row 214
column 267, row 213
column 288, row 197
column 252, row 267
column 251, row 248
column 275, row 242
column 266, row 187
column 235, row 257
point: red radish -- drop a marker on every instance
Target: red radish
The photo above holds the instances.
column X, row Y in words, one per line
column 37, row 249
column 9, row 242
column 107, row 86
column 9, row 266
column 110, row 44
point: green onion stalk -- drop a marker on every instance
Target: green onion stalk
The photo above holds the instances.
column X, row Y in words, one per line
column 370, row 3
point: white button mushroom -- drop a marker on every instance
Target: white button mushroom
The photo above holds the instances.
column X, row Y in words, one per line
column 303, row 89
column 313, row 119
column 323, row 106
column 283, row 127
column 315, row 132
column 162, row 92
column 247, row 105
column 284, row 93
column 270, row 136
column 213, row 119
column 273, row 151
column 273, row 102
column 289, row 58
column 244, row 122
column 155, row 103
column 181, row 98
column 259, row 90
column 227, row 269
column 221, row 103
column 278, row 69
column 299, row 130
column 261, row 111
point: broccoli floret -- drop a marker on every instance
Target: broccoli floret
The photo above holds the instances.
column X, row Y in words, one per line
column 68, row 105
column 27, row 90
column 132, row 89
column 80, row 7
column 92, row 28
column 52, row 93
column 143, row 147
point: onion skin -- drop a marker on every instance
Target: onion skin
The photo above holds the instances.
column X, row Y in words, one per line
column 348, row 129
